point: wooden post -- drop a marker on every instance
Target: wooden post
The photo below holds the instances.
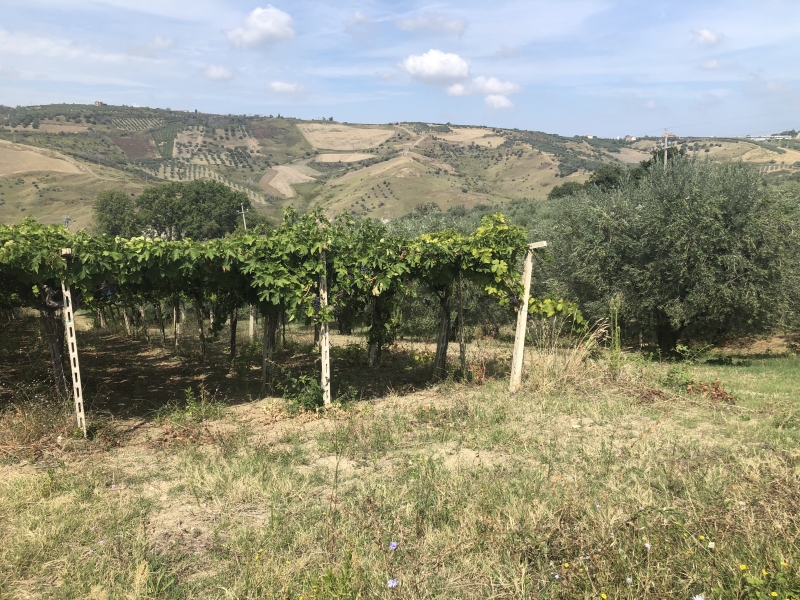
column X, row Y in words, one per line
column 462, row 346
column 72, row 346
column 251, row 329
column 522, row 320
column 325, row 349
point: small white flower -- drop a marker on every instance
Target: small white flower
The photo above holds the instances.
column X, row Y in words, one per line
column 698, row 597
column 712, row 545
column 647, row 546
column 628, row 580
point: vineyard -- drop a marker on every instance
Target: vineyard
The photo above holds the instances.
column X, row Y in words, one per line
column 182, row 171
column 165, row 138
column 136, row 124
column 287, row 272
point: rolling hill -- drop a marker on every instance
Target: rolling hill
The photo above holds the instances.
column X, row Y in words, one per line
column 54, row 159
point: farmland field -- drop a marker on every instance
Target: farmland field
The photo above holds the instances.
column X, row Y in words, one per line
column 343, row 137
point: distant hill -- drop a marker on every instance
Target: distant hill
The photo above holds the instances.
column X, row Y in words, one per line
column 54, row 159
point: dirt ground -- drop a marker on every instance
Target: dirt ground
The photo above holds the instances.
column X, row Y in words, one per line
column 137, row 147
column 334, row 136
column 482, row 136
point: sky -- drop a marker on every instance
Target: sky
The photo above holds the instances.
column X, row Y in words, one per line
column 573, row 67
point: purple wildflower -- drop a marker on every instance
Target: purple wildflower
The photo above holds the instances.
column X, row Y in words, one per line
column 392, row 583
column 392, row 545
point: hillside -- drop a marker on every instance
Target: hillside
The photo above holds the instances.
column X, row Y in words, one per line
column 54, row 159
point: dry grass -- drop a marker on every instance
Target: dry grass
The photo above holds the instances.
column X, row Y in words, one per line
column 577, row 487
column 334, row 136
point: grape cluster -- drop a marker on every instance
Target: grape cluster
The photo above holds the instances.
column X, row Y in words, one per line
column 108, row 291
column 315, row 304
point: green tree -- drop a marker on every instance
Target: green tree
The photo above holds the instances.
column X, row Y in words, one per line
column 696, row 251
column 115, row 214
column 199, row 210
column 565, row 189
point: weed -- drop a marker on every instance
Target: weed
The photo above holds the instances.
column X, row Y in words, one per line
column 192, row 410
column 303, row 392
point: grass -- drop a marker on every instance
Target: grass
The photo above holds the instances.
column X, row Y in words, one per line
column 589, row 489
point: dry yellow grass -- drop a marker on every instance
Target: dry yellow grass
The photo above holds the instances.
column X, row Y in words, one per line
column 481, row 136
column 15, row 158
column 345, row 158
column 333, row 136
column 281, row 179
column 371, row 170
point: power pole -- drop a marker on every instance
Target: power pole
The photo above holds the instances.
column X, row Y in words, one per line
column 242, row 212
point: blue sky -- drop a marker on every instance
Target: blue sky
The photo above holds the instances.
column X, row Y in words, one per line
column 702, row 67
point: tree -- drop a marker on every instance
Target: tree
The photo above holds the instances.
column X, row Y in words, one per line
column 565, row 189
column 697, row 251
column 115, row 214
column 199, row 210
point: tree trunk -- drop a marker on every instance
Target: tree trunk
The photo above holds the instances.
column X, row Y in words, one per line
column 143, row 314
column 198, row 311
column 127, row 321
column 268, row 345
column 234, row 319
column 54, row 327
column 440, row 362
column 160, row 319
column 175, row 323
column 316, row 334
column 101, row 318
column 283, row 329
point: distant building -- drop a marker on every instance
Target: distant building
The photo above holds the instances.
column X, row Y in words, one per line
column 98, row 103
column 630, row 138
column 589, row 137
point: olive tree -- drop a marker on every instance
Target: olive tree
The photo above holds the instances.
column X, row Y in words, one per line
column 697, row 250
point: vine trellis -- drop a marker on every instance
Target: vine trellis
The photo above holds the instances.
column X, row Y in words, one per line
column 363, row 264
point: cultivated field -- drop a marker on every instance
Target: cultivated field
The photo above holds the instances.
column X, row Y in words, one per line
column 15, row 158
column 137, row 147
column 281, row 178
column 481, row 136
column 582, row 485
column 345, row 158
column 334, row 136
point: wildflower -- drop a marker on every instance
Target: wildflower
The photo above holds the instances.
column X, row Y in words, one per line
column 743, row 567
column 566, row 565
column 101, row 542
column 392, row 583
column 702, row 537
column 93, row 528
column 556, row 575
column 774, row 594
column 712, row 545
column 113, row 486
column 628, row 580
column 698, row 597
column 603, row 596
column 647, row 546
column 260, row 549
column 641, row 508
column 91, row 551
column 764, row 572
column 597, row 506
column 784, row 564
column 392, row 545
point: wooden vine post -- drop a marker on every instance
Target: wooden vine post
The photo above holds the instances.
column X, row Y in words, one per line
column 72, row 346
column 522, row 320
column 324, row 342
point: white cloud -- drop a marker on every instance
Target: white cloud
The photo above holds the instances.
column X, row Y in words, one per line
column 706, row 37
column 161, row 43
column 498, row 101
column 32, row 45
column 261, row 25
column 432, row 23
column 776, row 86
column 484, row 85
column 8, row 73
column 710, row 65
column 360, row 26
column 436, row 66
column 651, row 105
column 282, row 87
column 508, row 51
column 217, row 73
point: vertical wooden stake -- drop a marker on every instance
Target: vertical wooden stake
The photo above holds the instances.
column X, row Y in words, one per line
column 72, row 346
column 462, row 346
column 522, row 320
column 324, row 342
column 252, row 327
